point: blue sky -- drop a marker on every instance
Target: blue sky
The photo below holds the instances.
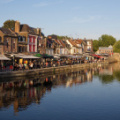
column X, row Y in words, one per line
column 75, row 18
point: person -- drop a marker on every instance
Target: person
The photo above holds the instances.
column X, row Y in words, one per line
column 51, row 63
column 11, row 67
column 24, row 66
column 20, row 66
column 46, row 64
column 31, row 65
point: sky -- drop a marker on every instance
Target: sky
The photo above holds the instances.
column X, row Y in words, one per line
column 74, row 18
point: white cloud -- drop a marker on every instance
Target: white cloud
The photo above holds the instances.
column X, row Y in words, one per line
column 84, row 20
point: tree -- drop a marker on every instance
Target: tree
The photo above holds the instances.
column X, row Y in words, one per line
column 9, row 24
column 116, row 47
column 95, row 45
column 106, row 40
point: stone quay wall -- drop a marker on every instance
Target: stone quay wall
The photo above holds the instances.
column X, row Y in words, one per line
column 50, row 70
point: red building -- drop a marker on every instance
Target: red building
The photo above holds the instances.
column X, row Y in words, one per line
column 32, row 44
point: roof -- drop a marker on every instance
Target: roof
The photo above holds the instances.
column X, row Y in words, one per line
column 106, row 48
column 78, row 41
column 73, row 43
column 26, row 56
column 8, row 32
column 3, row 57
column 62, row 43
column 27, row 28
column 94, row 55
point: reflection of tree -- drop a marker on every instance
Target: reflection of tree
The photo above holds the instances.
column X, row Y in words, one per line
column 106, row 78
column 117, row 75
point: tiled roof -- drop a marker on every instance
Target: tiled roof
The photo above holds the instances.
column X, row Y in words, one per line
column 73, row 43
column 57, row 42
column 63, row 44
column 26, row 28
column 79, row 41
column 105, row 48
column 8, row 32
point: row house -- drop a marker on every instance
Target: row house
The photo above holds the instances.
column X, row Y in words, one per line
column 55, row 45
column 30, row 39
column 88, row 45
column 49, row 46
column 80, row 46
column 41, row 44
column 65, row 47
column 58, row 46
column 105, row 50
column 74, row 48
column 8, row 41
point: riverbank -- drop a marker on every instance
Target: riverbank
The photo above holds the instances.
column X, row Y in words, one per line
column 50, row 70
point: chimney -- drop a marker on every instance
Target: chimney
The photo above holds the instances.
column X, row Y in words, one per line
column 17, row 26
column 39, row 31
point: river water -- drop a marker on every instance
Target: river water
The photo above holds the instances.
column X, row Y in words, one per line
column 90, row 94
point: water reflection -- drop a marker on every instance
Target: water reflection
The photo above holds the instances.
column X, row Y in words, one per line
column 24, row 92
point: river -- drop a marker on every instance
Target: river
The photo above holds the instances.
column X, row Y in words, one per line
column 90, row 94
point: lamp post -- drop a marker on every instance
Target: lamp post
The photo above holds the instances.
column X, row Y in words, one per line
column 13, row 56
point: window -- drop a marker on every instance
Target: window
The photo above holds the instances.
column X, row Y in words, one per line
column 13, row 43
column 30, row 48
column 24, row 39
column 33, row 48
column 19, row 39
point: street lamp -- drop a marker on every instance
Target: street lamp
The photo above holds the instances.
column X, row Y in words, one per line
column 13, row 56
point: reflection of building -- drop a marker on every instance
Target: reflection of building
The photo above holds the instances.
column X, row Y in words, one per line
column 108, row 71
column 20, row 94
column 24, row 92
column 79, row 78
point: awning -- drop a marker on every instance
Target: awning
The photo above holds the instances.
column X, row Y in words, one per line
column 70, row 56
column 3, row 57
column 47, row 56
column 38, row 55
column 26, row 56
column 97, row 56
column 56, row 56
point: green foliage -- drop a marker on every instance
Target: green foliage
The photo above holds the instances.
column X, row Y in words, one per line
column 106, row 40
column 95, row 45
column 117, row 75
column 9, row 24
column 116, row 47
column 106, row 78
column 62, row 37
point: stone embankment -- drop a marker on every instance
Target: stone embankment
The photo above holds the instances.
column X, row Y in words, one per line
column 50, row 70
column 56, row 70
column 114, row 58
